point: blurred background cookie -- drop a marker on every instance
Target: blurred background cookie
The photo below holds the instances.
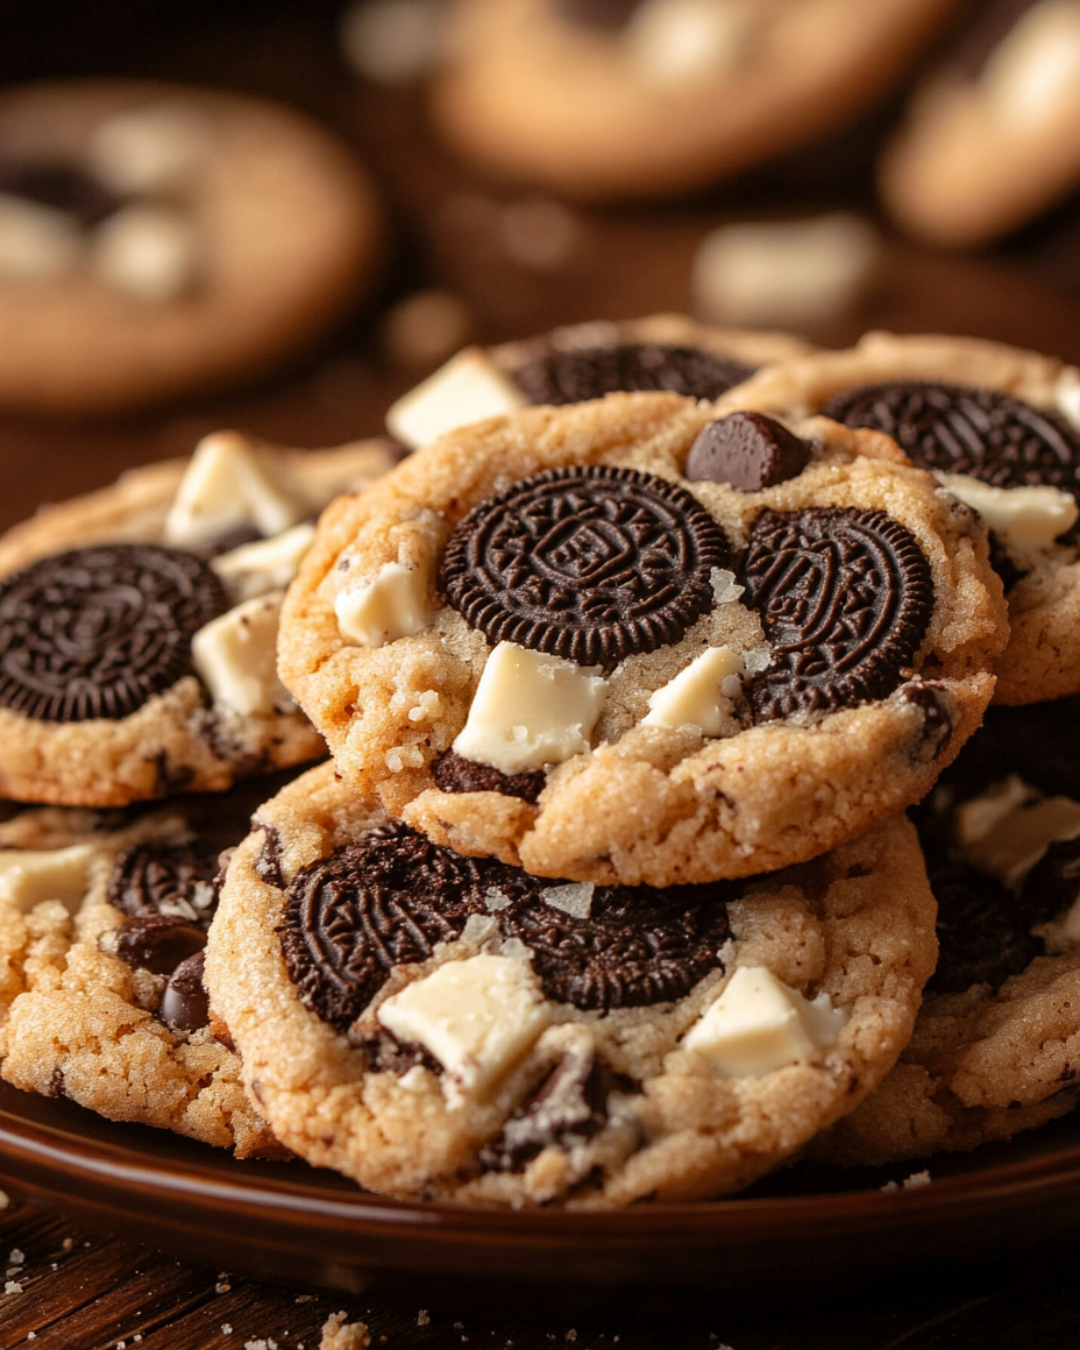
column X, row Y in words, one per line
column 157, row 239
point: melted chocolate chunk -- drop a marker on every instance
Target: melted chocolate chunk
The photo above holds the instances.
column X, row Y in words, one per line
column 177, row 880
column 384, row 901
column 978, row 432
column 590, row 564
column 561, row 376
column 98, row 631
column 157, row 943
column 453, row 773
column 845, row 598
column 569, row 1107
column 638, row 946
column 747, row 450
column 63, row 187
column 937, row 728
column 268, row 863
column 184, row 1004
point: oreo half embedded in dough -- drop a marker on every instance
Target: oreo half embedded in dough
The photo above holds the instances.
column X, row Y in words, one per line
column 389, row 898
column 454, row 773
column 569, row 375
column 96, row 632
column 979, row 432
column 157, row 943
column 747, row 450
column 177, row 880
column 845, row 598
column 590, row 564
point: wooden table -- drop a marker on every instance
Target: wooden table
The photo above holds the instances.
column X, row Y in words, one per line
column 71, row 1289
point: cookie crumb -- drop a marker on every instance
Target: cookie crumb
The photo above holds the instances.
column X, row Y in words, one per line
column 306, row 1298
column 423, row 1319
column 16, row 1257
column 5, row 1199
column 226, row 1329
column 916, row 1180
column 337, row 1334
column 13, row 1287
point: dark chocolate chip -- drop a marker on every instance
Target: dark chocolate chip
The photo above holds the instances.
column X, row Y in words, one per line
column 453, row 773
column 979, row 432
column 383, row 901
column 177, row 880
column 845, row 598
column 569, row 1107
column 638, row 946
column 269, row 862
column 97, row 632
column 157, row 943
column 184, row 1004
column 64, row 187
column 590, row 564
column 933, row 701
column 565, row 375
column 606, row 14
column 748, row 450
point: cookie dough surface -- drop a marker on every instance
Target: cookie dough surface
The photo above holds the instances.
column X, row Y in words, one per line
column 675, row 96
column 996, row 1047
column 90, row 968
column 184, row 736
column 1006, row 418
column 594, row 1086
column 753, row 781
column 226, row 233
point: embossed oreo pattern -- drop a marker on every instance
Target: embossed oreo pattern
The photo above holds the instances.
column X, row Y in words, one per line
column 388, row 899
column 979, row 432
column 381, row 902
column 845, row 598
column 98, row 631
column 560, row 377
column 590, row 564
column 178, row 880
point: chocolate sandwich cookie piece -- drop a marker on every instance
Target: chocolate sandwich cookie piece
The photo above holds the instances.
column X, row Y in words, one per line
column 103, row 919
column 984, row 146
column 513, row 1039
column 996, row 1048
column 129, row 270
column 138, row 625
column 661, row 353
column 590, row 564
column 607, row 101
column 564, row 641
column 96, row 632
column 1000, row 429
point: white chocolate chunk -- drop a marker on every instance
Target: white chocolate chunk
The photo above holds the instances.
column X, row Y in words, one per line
column 1031, row 517
column 530, row 710
column 227, row 486
column 676, row 43
column 150, row 253
column 154, row 148
column 235, row 656
column 265, row 565
column 28, row 877
column 1034, row 71
column 394, row 603
column 785, row 273
column 477, row 1017
column 759, row 1024
column 467, row 389
column 575, row 898
column 1007, row 830
column 695, row 696
column 36, row 241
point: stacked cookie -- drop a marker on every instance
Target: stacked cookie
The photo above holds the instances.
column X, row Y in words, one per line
column 605, row 895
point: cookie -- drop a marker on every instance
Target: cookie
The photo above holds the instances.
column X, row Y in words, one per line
column 988, row 140
column 585, row 361
column 157, row 239
column 996, row 1048
column 438, row 1026
column 604, row 102
column 1000, row 428
column 628, row 641
column 138, row 625
column 103, row 920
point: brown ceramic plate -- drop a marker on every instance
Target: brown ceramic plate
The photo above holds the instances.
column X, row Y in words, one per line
column 290, row 1220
